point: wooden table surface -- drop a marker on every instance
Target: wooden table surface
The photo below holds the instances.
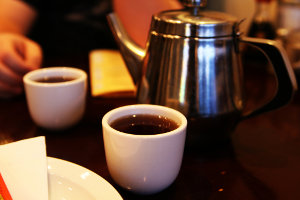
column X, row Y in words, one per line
column 261, row 162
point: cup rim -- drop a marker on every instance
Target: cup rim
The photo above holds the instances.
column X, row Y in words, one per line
column 27, row 79
column 107, row 117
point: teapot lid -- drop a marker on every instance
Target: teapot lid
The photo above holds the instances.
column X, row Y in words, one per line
column 194, row 22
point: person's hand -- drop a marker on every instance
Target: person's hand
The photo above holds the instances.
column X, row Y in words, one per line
column 18, row 55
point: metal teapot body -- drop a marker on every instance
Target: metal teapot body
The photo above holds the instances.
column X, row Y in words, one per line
column 197, row 76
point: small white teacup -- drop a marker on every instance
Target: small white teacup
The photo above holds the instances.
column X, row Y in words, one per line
column 56, row 96
column 145, row 163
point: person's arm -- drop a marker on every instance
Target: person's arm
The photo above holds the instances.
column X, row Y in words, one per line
column 16, row 16
column 18, row 54
column 136, row 15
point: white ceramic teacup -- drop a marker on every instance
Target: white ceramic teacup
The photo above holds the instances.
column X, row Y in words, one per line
column 56, row 105
column 144, row 164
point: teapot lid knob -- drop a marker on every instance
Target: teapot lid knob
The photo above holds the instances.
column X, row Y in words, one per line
column 194, row 3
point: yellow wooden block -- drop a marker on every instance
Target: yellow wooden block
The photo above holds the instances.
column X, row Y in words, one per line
column 108, row 74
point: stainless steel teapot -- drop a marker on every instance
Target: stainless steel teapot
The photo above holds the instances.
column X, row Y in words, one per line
column 192, row 63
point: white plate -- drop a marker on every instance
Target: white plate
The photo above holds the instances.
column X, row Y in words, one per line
column 69, row 181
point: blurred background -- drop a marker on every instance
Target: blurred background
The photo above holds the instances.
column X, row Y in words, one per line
column 282, row 17
column 243, row 9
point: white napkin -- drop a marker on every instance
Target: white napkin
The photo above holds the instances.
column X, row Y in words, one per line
column 23, row 165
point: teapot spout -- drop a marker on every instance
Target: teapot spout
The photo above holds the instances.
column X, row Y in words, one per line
column 132, row 53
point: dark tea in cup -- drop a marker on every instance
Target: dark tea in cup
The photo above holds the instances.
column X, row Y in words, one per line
column 144, row 124
column 55, row 79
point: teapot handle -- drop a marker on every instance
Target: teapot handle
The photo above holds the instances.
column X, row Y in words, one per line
column 285, row 76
